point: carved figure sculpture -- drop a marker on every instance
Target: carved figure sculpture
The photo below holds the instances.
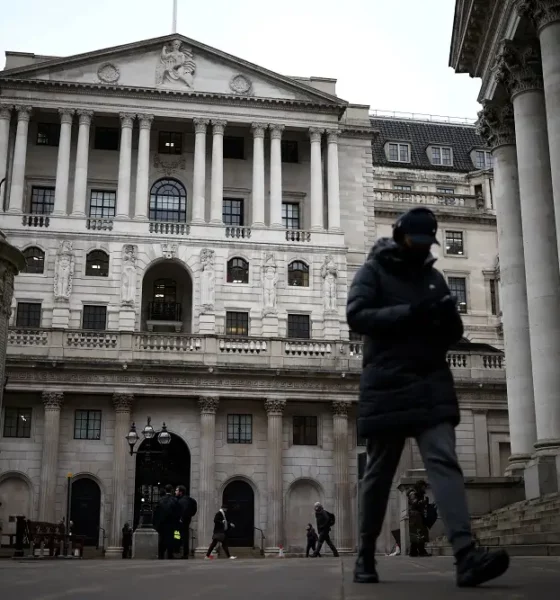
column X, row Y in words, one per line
column 176, row 65
column 207, row 276
column 329, row 273
column 64, row 271
column 128, row 281
column 270, row 279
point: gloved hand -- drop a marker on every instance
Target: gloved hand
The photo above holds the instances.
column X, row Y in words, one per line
column 447, row 305
column 424, row 308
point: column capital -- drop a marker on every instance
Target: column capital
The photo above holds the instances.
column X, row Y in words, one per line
column 315, row 134
column 540, row 12
column 332, row 136
column 52, row 400
column 496, row 125
column 24, row 112
column 5, row 111
column 122, row 401
column 274, row 406
column 145, row 121
column 479, row 411
column 208, row 405
column 66, row 115
column 200, row 125
column 258, row 129
column 519, row 68
column 276, row 131
column 340, row 408
column 127, row 119
column 218, row 126
column 85, row 116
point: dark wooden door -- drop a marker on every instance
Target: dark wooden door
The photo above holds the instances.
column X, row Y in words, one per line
column 85, row 510
column 240, row 500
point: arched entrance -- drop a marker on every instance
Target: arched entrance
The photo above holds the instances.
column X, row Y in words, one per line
column 15, row 501
column 155, row 470
column 240, row 499
column 85, row 509
column 302, row 495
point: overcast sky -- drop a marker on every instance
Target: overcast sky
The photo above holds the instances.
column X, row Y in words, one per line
column 390, row 54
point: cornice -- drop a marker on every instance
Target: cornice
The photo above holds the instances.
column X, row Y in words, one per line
column 482, row 218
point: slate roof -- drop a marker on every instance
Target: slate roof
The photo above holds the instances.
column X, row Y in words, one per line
column 420, row 134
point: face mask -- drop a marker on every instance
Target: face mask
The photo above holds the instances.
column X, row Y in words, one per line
column 416, row 255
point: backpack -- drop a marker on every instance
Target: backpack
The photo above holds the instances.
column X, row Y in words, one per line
column 332, row 520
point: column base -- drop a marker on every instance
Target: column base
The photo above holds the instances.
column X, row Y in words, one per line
column 14, row 211
column 141, row 218
column 58, row 213
column 197, row 221
column 78, row 215
column 335, row 230
column 317, row 228
column 277, row 226
column 216, row 222
column 145, row 543
column 258, row 225
column 113, row 552
column 517, row 465
column 541, row 476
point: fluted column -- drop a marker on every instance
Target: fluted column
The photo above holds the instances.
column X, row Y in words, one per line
column 316, row 179
column 276, row 175
column 207, row 500
column 49, row 467
column 125, row 159
column 5, row 116
column 275, row 531
column 217, row 193
column 199, row 174
column 343, row 533
column 143, row 167
column 123, row 408
column 333, row 183
column 258, row 174
column 20, row 156
column 82, row 163
column 63, row 162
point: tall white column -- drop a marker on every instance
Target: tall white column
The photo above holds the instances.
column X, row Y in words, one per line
column 258, row 174
column 49, row 465
column 199, row 174
column 143, row 167
column 217, row 193
column 63, row 162
column 276, row 175
column 125, row 159
column 333, row 183
column 82, row 162
column 342, row 510
column 316, row 180
column 20, row 156
column 5, row 116
column 498, row 128
column 275, row 531
column 207, row 500
column 123, row 408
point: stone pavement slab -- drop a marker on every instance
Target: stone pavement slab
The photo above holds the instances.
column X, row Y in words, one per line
column 270, row 579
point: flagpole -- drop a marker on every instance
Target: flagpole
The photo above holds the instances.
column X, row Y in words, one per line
column 174, row 25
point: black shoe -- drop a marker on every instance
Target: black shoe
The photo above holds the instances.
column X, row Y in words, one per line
column 477, row 566
column 365, row 571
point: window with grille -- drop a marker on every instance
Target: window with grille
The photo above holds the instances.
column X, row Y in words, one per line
column 493, row 283
column 289, row 151
column 237, row 323
column 97, row 264
column 168, row 201
column 445, row 190
column 441, row 155
column 360, row 441
column 402, row 188
column 483, row 159
column 106, row 138
column 17, row 422
column 232, row 212
column 299, row 326
column 28, row 314
column 48, row 134
column 458, row 288
column 399, row 152
column 240, row 429
column 234, row 147
column 87, row 425
column 237, row 271
column 102, row 204
column 94, row 317
column 34, row 260
column 170, row 142
column 454, row 243
column 305, row 431
column 298, row 274
column 42, row 200
column 291, row 215
column 165, row 290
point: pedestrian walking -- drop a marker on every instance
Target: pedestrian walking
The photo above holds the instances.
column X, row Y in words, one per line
column 402, row 306
column 312, row 539
column 188, row 508
column 166, row 521
column 419, row 533
column 220, row 533
column 325, row 520
column 127, row 541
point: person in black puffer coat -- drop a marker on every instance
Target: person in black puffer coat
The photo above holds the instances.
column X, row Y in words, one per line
column 402, row 306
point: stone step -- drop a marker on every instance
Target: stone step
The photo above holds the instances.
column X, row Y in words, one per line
column 496, row 519
column 548, row 524
column 515, row 550
column 242, row 552
column 522, row 538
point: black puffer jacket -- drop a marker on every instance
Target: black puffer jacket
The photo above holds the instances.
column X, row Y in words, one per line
column 406, row 384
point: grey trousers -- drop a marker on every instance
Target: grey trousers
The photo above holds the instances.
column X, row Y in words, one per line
column 437, row 447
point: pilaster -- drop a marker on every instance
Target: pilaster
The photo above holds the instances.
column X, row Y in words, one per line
column 217, row 192
column 19, row 160
column 258, row 174
column 82, row 163
column 199, row 174
column 63, row 162
column 274, row 407
column 317, row 222
column 276, row 175
column 343, row 527
column 125, row 160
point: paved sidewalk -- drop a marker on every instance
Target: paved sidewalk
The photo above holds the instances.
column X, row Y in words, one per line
column 269, row 579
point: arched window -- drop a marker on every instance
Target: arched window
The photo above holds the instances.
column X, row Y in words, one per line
column 168, row 201
column 34, row 260
column 97, row 264
column 164, row 306
column 298, row 274
column 237, row 271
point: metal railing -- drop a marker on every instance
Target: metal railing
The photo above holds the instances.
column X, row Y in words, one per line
column 164, row 311
column 408, row 116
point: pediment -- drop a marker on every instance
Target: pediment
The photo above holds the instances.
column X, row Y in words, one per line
column 172, row 63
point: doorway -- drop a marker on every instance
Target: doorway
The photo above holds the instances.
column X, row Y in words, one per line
column 85, row 510
column 239, row 498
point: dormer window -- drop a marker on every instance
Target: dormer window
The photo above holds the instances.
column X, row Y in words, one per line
column 397, row 152
column 482, row 159
column 441, row 156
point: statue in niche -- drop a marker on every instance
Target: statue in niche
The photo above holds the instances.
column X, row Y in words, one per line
column 207, row 280
column 64, row 271
column 329, row 273
column 270, row 279
column 176, row 65
column 128, row 281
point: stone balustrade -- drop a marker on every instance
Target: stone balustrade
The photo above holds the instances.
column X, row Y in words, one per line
column 238, row 233
column 99, row 224
column 400, row 197
column 35, row 220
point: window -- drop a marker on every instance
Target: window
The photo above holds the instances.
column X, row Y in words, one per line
column 28, row 314
column 48, row 134
column 237, row 323
column 34, row 260
column 483, row 159
column 165, row 290
column 458, row 288
column 298, row 274
column 237, row 271
column 493, row 283
column 454, row 243
column 441, row 155
column 17, row 422
column 87, row 425
column 168, row 201
column 445, row 190
column 234, row 147
column 305, row 431
column 360, row 441
column 102, row 204
column 232, row 212
column 240, row 429
column 399, row 152
column 106, row 138
column 42, row 200
column 289, row 151
column 170, row 142
column 97, row 264
column 290, row 215
column 402, row 188
column 94, row 317
column 299, row 327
